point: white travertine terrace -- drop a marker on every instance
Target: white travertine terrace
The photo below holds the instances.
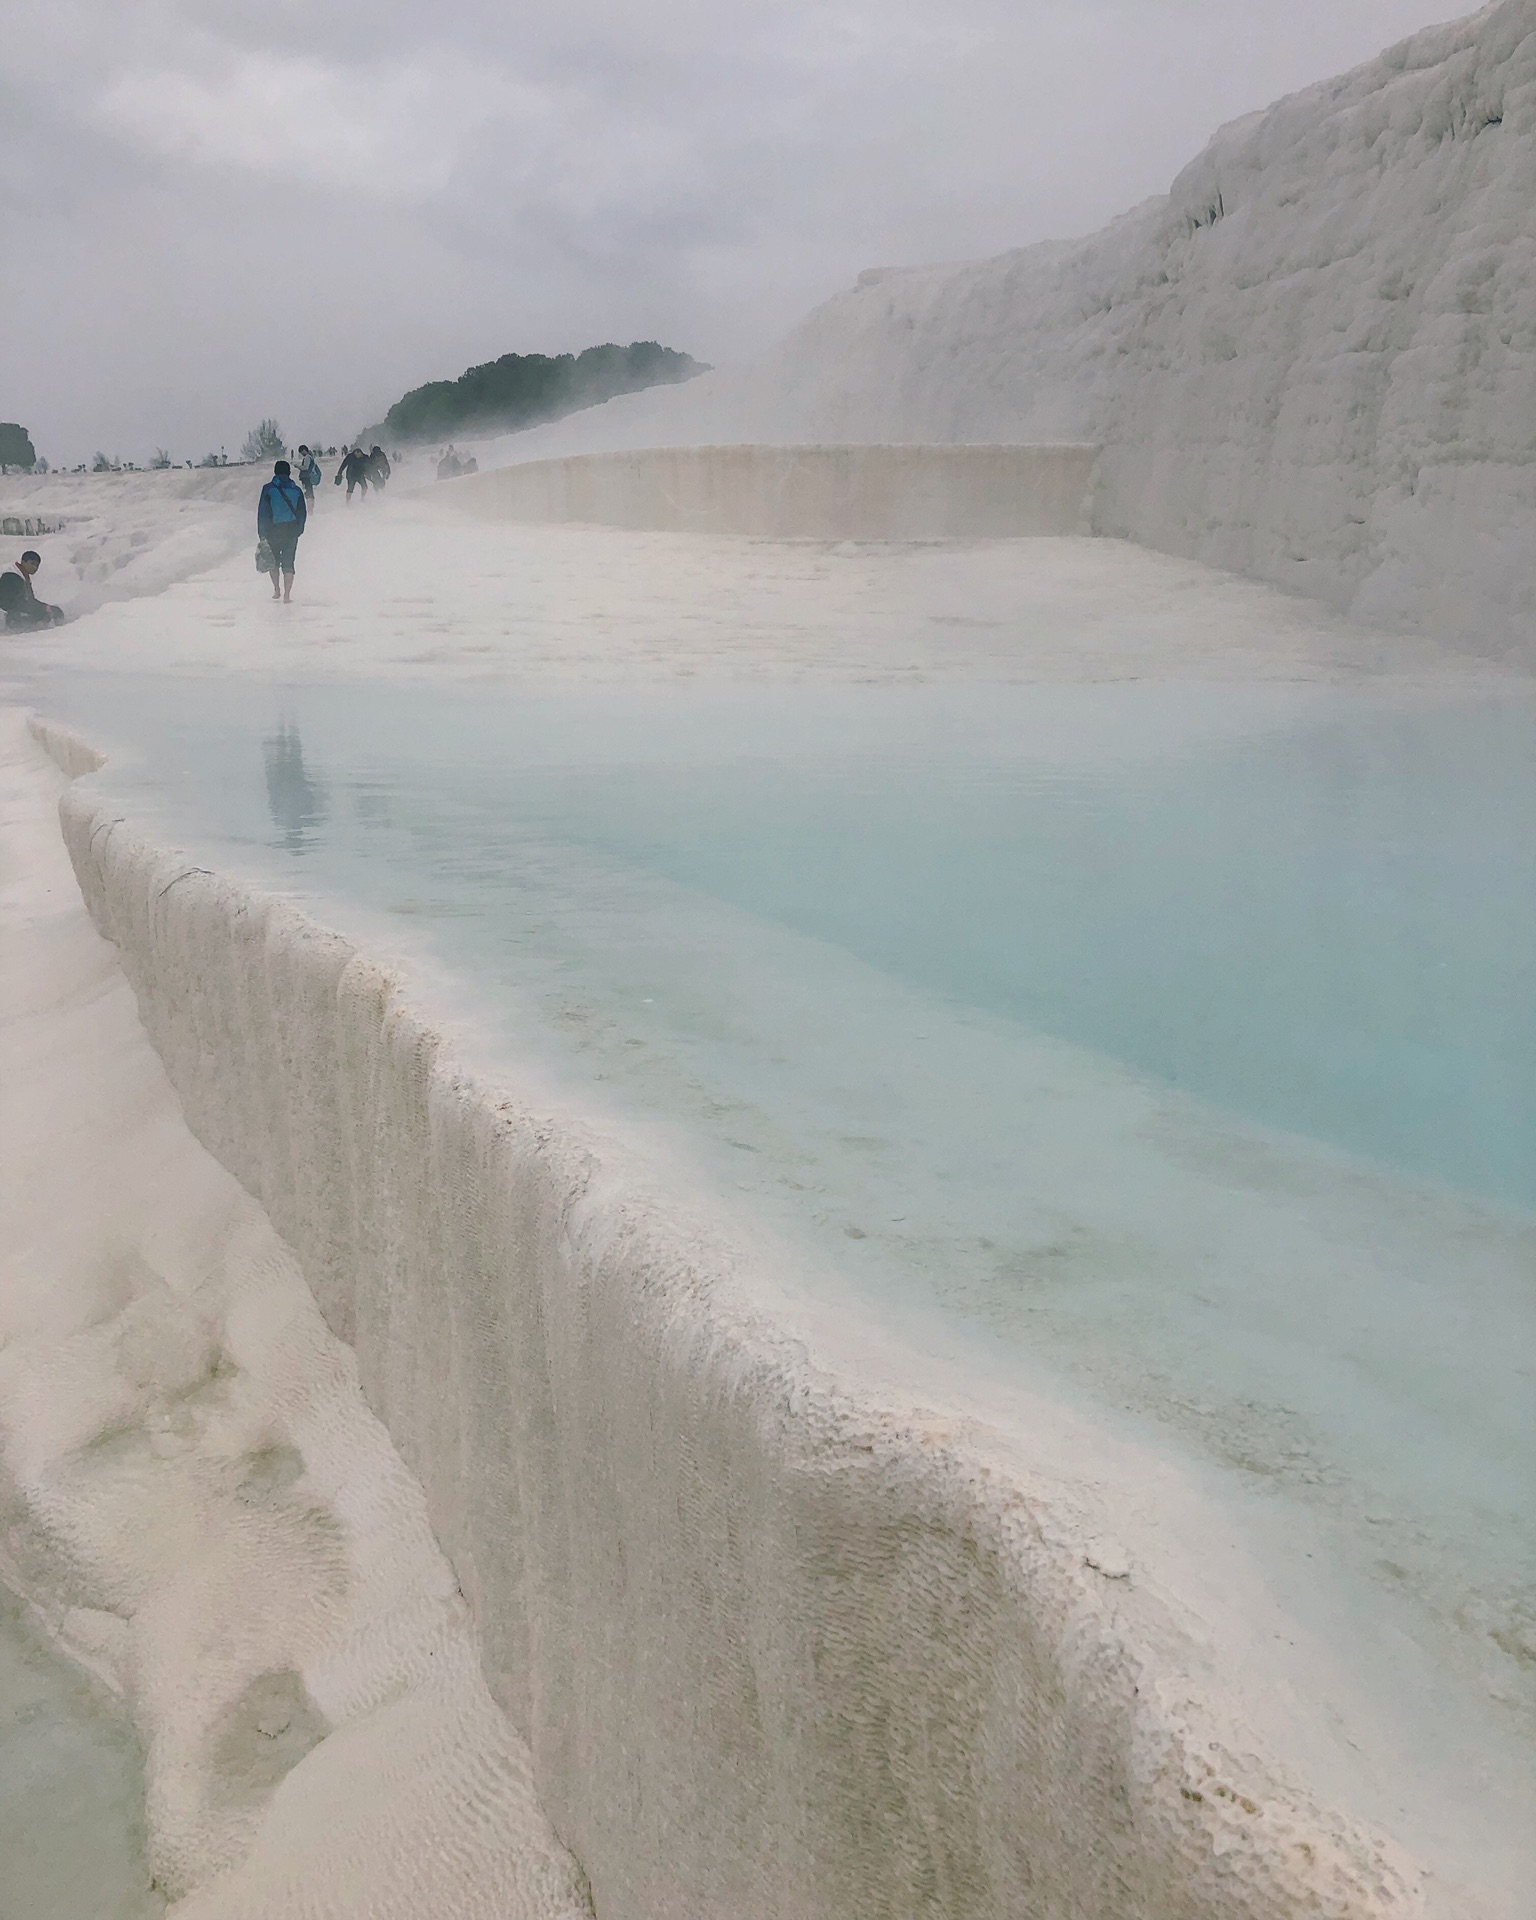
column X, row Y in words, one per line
column 760, row 1641
column 117, row 536
column 776, row 1647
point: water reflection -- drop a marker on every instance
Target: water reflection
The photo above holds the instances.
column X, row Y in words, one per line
column 295, row 798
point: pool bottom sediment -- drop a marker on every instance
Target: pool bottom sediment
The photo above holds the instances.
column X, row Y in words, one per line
column 71, row 1786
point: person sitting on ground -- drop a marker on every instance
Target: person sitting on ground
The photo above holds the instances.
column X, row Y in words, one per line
column 378, row 467
column 309, row 475
column 19, row 602
column 280, row 517
column 354, row 470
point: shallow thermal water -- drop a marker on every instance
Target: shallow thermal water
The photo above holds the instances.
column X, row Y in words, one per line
column 71, row 1788
column 1312, row 908
column 1178, row 1041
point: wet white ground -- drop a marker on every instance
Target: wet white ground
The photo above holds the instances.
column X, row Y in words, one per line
column 404, row 587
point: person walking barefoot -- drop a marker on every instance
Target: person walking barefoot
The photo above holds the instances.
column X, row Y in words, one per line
column 280, row 517
column 354, row 469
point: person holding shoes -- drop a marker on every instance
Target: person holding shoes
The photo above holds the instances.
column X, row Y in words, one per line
column 280, row 517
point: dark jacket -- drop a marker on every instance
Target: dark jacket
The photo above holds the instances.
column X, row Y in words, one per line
column 20, row 604
column 356, row 469
column 281, row 505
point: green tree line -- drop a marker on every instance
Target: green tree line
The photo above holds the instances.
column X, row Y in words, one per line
column 521, row 389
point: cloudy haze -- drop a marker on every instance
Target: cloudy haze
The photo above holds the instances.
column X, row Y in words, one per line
column 213, row 211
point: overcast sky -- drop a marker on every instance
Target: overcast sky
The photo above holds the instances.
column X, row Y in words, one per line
column 213, row 211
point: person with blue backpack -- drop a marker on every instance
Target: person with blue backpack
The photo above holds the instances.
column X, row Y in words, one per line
column 280, row 517
column 309, row 475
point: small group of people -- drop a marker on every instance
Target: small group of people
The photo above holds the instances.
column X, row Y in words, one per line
column 18, row 597
column 453, row 463
column 360, row 470
column 282, row 512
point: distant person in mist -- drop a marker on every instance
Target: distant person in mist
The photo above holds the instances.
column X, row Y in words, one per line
column 19, row 601
column 309, row 475
column 378, row 468
column 280, row 516
column 449, row 467
column 354, row 470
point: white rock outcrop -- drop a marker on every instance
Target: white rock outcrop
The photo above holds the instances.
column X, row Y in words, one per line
column 1313, row 361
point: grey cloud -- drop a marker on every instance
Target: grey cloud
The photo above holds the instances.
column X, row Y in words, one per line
column 224, row 214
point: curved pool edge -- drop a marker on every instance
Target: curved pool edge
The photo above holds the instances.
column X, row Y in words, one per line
column 776, row 1645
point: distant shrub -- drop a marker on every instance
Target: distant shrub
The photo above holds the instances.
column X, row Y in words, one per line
column 521, row 389
column 101, row 464
column 161, row 460
column 264, row 442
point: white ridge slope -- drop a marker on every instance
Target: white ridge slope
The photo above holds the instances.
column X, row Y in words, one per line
column 1314, row 360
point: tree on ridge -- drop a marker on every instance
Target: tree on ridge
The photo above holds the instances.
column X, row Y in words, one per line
column 522, row 389
column 16, row 449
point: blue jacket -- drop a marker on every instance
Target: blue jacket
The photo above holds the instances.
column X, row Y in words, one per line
column 281, row 505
